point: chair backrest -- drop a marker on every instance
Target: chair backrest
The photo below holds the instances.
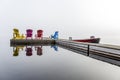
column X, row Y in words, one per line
column 29, row 32
column 16, row 34
column 55, row 36
column 16, row 31
column 39, row 33
column 56, row 33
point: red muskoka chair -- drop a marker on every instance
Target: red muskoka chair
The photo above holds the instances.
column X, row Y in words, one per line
column 39, row 34
column 29, row 33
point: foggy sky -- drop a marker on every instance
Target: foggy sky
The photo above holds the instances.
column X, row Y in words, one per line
column 75, row 18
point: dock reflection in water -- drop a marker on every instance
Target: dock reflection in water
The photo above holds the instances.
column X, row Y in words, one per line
column 38, row 50
column 92, row 55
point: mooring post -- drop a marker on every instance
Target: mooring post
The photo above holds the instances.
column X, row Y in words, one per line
column 88, row 49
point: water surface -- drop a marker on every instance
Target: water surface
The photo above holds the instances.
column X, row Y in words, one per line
column 52, row 63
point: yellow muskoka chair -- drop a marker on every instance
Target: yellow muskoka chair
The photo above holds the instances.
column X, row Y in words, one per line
column 16, row 34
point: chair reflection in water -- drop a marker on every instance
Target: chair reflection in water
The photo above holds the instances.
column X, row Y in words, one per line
column 55, row 47
column 29, row 33
column 55, row 36
column 39, row 34
column 16, row 50
column 16, row 34
column 39, row 50
column 28, row 50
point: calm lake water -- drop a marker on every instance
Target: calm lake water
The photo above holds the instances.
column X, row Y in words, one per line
column 51, row 63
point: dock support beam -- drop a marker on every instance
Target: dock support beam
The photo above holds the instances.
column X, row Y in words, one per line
column 88, row 50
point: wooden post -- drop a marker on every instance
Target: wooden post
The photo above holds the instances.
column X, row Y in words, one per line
column 88, row 50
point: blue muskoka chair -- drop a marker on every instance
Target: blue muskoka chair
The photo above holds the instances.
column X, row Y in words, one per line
column 55, row 36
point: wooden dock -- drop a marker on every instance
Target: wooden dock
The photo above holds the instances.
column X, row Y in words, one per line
column 107, row 52
column 14, row 42
column 110, row 52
